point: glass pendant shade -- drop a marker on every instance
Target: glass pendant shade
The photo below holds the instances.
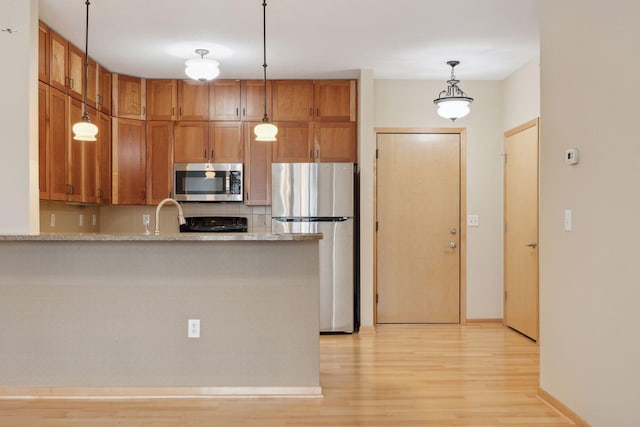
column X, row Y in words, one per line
column 266, row 132
column 85, row 130
column 453, row 108
column 202, row 69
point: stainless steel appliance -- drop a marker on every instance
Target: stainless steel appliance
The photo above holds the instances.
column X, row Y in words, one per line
column 319, row 198
column 207, row 182
column 214, row 224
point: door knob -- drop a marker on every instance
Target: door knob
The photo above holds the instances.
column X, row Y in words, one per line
column 532, row 244
column 452, row 244
column 453, row 230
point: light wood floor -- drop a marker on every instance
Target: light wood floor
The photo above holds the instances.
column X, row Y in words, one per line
column 478, row 375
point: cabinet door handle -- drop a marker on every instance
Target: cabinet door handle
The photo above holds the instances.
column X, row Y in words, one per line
column 204, row 155
column 173, row 111
column 311, row 111
column 317, row 112
column 144, row 110
column 244, row 112
column 317, row 154
column 180, row 111
column 212, row 154
column 237, row 112
column 71, row 84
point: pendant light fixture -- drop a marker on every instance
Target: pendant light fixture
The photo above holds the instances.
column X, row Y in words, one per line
column 452, row 102
column 202, row 69
column 84, row 130
column 265, row 131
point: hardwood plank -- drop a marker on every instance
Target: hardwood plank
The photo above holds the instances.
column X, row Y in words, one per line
column 476, row 375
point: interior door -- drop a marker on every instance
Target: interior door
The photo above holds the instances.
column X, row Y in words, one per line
column 418, row 219
column 521, row 229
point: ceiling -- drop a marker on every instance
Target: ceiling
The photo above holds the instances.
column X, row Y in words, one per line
column 397, row 39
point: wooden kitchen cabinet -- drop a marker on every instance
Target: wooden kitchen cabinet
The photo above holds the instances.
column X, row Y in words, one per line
column 292, row 100
column 128, row 162
column 224, row 100
column 104, row 159
column 75, row 82
column 193, row 100
column 257, row 168
column 162, row 99
column 335, row 142
column 335, row 100
column 159, row 161
column 58, row 141
column 43, row 140
column 43, row 52
column 225, row 142
column 103, row 97
column 58, row 62
column 191, row 142
column 92, row 84
column 252, row 100
column 295, row 142
column 129, row 97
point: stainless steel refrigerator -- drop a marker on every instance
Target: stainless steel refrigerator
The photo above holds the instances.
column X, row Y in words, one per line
column 319, row 198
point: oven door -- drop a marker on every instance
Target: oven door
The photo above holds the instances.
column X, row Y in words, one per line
column 208, row 182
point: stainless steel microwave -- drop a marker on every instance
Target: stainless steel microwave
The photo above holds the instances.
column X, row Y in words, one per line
column 207, row 182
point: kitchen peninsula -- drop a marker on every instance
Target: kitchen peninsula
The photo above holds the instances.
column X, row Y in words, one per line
column 107, row 315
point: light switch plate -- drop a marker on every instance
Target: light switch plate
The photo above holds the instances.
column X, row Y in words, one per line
column 473, row 220
column 194, row 328
column 567, row 220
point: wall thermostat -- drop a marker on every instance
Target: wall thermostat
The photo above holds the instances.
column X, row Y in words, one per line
column 571, row 156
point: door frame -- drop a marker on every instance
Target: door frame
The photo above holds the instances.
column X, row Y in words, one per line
column 524, row 126
column 462, row 132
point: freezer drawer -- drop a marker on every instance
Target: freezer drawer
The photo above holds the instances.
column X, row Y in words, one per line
column 336, row 269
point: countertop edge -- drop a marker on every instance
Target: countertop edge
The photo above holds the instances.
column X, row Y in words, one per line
column 210, row 237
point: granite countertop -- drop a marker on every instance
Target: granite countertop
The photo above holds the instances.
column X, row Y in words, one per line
column 185, row 237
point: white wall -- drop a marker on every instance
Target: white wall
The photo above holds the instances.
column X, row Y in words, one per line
column 589, row 283
column 522, row 95
column 403, row 103
column 19, row 119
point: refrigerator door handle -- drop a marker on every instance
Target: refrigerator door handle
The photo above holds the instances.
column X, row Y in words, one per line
column 313, row 219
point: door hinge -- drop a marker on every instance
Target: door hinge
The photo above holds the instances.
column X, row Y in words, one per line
column 377, row 297
column 504, row 156
column 377, row 153
column 505, row 295
column 377, row 225
column 505, row 227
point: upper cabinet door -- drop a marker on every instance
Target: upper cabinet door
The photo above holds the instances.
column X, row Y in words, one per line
column 335, row 142
column 294, row 142
column 224, row 100
column 92, row 84
column 335, row 100
column 104, row 90
column 59, row 69
column 225, row 142
column 76, row 72
column 191, row 142
column 193, row 100
column 43, row 52
column 292, row 100
column 129, row 97
column 162, row 99
column 253, row 100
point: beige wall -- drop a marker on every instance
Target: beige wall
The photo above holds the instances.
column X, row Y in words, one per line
column 589, row 284
column 19, row 120
column 404, row 103
column 522, row 95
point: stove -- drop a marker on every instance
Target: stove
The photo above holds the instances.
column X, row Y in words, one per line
column 214, row 224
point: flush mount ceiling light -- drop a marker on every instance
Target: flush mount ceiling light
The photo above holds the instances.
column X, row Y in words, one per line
column 84, row 130
column 202, row 69
column 265, row 131
column 452, row 102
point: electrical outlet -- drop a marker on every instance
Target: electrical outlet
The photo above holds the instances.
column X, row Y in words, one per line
column 473, row 220
column 93, row 220
column 52, row 219
column 193, row 328
column 81, row 220
column 146, row 219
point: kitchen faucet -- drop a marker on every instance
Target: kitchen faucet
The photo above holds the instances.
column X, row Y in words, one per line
column 181, row 219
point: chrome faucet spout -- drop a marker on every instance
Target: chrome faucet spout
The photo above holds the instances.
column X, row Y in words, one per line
column 181, row 219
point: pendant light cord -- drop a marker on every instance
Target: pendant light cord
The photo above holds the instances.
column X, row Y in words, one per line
column 265, row 118
column 85, row 115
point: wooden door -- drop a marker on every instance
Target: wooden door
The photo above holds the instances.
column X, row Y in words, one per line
column 58, row 138
column 104, row 90
column 129, row 97
column 128, row 162
column 225, row 142
column 418, row 238
column 59, row 71
column 193, row 100
column 92, row 84
column 521, row 229
column 253, row 100
column 162, row 99
column 295, row 142
column 257, row 168
column 191, row 142
column 292, row 100
column 43, row 140
column 104, row 159
column 76, row 72
column 335, row 100
column 43, row 52
column 159, row 161
column 335, row 142
column 224, row 100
